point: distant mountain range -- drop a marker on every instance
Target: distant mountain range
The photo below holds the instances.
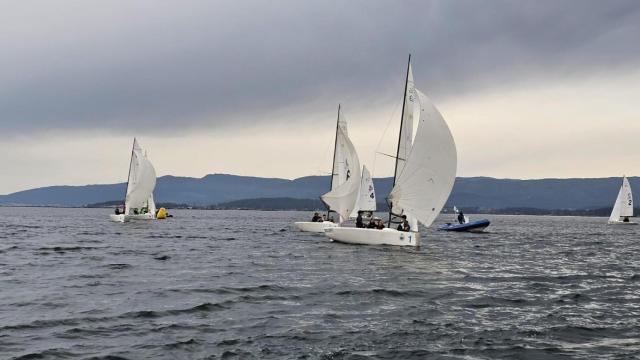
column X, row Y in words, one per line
column 480, row 193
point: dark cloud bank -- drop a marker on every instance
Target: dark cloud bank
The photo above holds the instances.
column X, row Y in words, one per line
column 164, row 66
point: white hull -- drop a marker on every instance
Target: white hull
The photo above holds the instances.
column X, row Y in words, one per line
column 316, row 227
column 373, row 236
column 123, row 218
column 622, row 223
column 117, row 218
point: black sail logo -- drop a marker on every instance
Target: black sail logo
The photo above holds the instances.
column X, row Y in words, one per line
column 346, row 165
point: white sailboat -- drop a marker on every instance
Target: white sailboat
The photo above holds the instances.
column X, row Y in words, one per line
column 138, row 202
column 345, row 181
column 366, row 195
column 623, row 208
column 424, row 176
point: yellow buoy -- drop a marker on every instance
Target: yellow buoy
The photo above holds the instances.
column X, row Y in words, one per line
column 162, row 213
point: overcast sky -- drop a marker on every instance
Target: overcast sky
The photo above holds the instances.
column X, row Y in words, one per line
column 530, row 89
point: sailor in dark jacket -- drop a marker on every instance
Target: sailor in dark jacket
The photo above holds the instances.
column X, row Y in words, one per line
column 359, row 222
column 404, row 225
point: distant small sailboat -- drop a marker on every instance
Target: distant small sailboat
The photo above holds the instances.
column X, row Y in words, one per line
column 424, row 174
column 366, row 195
column 623, row 208
column 138, row 201
column 345, row 181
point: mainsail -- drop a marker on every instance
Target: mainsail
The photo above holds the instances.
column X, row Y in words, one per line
column 142, row 181
column 366, row 194
column 405, row 142
column 426, row 178
column 624, row 202
column 340, row 171
column 346, row 174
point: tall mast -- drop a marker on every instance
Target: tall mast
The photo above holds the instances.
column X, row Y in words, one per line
column 126, row 190
column 333, row 165
column 404, row 100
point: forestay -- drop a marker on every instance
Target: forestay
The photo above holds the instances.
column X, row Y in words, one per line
column 346, row 174
column 425, row 182
column 624, row 202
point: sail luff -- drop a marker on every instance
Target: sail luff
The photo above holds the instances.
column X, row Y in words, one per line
column 404, row 102
column 333, row 164
column 126, row 190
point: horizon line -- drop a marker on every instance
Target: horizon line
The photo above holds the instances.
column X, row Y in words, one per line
column 307, row 176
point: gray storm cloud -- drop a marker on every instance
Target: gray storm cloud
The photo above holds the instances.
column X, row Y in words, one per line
column 169, row 66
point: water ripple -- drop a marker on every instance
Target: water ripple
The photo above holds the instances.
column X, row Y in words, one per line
column 247, row 285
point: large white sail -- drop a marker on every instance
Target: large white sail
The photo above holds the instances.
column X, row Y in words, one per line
column 426, row 180
column 624, row 202
column 142, row 181
column 346, row 178
column 366, row 194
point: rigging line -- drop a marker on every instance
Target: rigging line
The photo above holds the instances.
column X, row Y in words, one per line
column 318, row 162
column 391, row 156
column 391, row 117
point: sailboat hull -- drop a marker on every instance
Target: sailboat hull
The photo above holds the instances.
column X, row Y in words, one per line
column 373, row 236
column 124, row 218
column 622, row 223
column 471, row 226
column 117, row 218
column 315, row 227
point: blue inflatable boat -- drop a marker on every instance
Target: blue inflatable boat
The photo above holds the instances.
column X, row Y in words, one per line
column 471, row 226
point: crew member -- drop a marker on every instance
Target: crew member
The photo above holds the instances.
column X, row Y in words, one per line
column 359, row 223
column 461, row 217
column 404, row 225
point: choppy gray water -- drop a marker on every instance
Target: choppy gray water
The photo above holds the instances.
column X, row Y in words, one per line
column 241, row 284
